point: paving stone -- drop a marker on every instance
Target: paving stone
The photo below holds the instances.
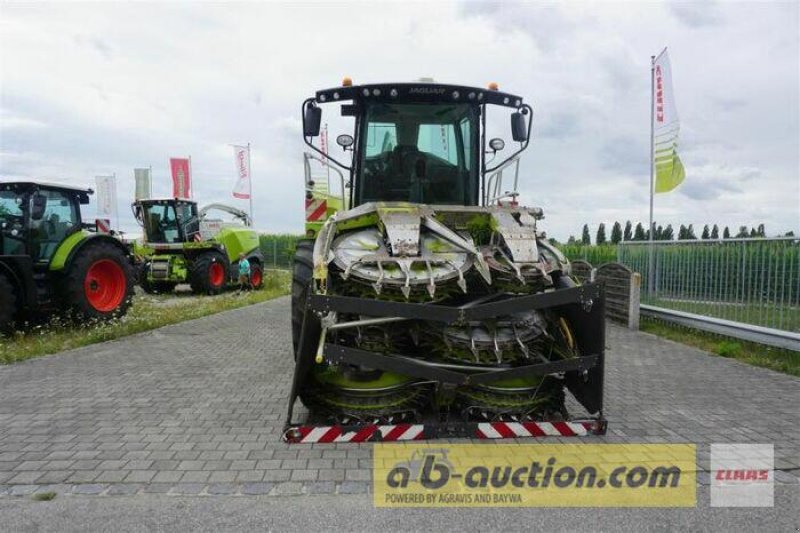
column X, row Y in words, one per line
column 167, row 421
column 321, row 487
column 253, row 489
column 353, row 487
column 123, row 489
column 88, row 489
column 187, row 488
column 222, row 488
column 288, row 489
column 22, row 490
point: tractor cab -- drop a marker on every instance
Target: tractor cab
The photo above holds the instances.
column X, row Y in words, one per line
column 36, row 217
column 423, row 143
column 169, row 221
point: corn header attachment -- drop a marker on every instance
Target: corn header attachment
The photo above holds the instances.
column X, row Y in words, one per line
column 416, row 319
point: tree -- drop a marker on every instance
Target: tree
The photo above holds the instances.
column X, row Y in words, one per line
column 753, row 232
column 628, row 233
column 616, row 233
column 715, row 232
column 682, row 232
column 668, row 234
column 690, row 232
column 585, row 238
column 705, row 235
column 638, row 234
column 727, row 233
column 789, row 234
column 601, row 234
column 742, row 232
column 659, row 233
column 761, row 232
column 571, row 239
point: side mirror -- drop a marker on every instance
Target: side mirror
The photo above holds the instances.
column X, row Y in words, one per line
column 39, row 206
column 345, row 141
column 497, row 144
column 312, row 118
column 519, row 129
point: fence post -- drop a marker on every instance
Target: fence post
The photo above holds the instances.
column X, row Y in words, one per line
column 633, row 301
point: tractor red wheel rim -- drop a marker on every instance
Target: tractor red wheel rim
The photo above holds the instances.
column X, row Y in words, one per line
column 256, row 277
column 216, row 274
column 105, row 285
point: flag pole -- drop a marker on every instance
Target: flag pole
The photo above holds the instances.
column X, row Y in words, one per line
column 651, row 250
column 250, row 183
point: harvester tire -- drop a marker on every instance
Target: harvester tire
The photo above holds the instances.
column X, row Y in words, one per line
column 302, row 271
column 8, row 304
column 256, row 275
column 98, row 283
column 209, row 273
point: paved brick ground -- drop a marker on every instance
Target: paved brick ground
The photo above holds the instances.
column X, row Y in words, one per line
column 197, row 408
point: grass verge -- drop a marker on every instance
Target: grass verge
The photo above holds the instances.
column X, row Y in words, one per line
column 146, row 313
column 786, row 361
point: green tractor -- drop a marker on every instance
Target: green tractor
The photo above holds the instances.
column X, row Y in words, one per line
column 426, row 302
column 182, row 244
column 52, row 261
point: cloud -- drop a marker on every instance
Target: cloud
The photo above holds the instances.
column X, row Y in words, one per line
column 101, row 88
column 696, row 14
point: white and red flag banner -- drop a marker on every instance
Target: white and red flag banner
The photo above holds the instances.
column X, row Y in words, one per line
column 666, row 127
column 241, row 156
column 181, row 178
column 106, row 196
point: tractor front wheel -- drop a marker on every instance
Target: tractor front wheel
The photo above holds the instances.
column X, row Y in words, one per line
column 8, row 303
column 209, row 274
column 302, row 272
column 99, row 283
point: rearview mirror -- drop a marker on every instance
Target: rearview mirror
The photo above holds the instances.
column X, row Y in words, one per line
column 39, row 206
column 519, row 129
column 312, row 118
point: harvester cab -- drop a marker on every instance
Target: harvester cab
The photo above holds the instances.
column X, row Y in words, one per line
column 431, row 304
column 52, row 261
column 183, row 244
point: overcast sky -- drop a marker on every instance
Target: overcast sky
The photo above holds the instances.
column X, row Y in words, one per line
column 90, row 89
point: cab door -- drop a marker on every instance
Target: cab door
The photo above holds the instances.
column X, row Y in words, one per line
column 61, row 218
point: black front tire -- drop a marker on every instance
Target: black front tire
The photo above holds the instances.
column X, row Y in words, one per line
column 302, row 272
column 8, row 304
column 204, row 276
column 80, row 282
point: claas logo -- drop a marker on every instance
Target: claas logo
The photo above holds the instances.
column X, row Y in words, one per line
column 726, row 474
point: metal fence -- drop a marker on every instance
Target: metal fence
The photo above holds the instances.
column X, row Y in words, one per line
column 749, row 281
column 278, row 250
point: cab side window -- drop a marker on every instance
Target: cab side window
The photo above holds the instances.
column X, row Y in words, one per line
column 59, row 220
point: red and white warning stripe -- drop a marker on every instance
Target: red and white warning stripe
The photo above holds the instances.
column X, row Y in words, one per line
column 506, row 430
column 103, row 225
column 315, row 209
column 338, row 434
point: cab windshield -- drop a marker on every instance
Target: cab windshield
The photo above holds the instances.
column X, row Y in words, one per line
column 161, row 224
column 419, row 153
